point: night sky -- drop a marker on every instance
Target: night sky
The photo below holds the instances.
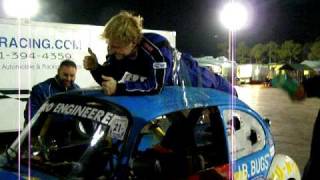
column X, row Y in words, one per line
column 196, row 21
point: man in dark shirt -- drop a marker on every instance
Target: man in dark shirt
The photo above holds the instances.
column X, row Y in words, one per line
column 62, row 82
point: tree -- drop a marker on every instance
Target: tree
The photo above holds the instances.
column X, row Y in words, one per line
column 272, row 51
column 257, row 52
column 306, row 50
column 243, row 53
column 223, row 49
column 314, row 53
column 290, row 51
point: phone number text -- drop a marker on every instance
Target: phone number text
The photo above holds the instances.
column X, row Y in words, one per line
column 32, row 55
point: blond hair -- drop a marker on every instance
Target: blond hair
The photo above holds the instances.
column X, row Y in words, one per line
column 124, row 27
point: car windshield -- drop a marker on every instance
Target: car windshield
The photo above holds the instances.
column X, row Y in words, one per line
column 67, row 137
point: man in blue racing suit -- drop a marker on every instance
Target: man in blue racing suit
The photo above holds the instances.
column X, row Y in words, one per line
column 62, row 82
column 142, row 63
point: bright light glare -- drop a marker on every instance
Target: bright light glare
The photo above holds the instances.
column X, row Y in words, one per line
column 234, row 16
column 97, row 135
column 21, row 8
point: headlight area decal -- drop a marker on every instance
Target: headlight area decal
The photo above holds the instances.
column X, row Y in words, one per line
column 283, row 169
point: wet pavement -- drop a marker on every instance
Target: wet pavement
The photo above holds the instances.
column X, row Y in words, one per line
column 291, row 121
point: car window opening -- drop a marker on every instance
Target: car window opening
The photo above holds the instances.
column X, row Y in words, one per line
column 193, row 141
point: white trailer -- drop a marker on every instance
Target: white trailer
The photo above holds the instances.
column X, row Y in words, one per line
column 252, row 73
column 30, row 52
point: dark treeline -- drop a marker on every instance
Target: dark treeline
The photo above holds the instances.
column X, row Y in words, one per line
column 288, row 51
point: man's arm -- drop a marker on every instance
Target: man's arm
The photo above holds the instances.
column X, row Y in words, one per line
column 97, row 73
column 91, row 63
column 34, row 103
column 224, row 85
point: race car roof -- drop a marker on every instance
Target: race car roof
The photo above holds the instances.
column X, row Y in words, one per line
column 171, row 99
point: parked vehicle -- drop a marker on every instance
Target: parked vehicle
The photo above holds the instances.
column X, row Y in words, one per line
column 252, row 73
column 181, row 133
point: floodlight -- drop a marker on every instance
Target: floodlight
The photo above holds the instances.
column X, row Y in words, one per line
column 21, row 8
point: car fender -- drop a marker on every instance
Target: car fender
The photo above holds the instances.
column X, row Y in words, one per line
column 283, row 168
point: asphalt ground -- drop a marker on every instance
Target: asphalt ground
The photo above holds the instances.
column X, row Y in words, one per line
column 291, row 121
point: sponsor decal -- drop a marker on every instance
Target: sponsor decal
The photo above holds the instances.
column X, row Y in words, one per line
column 118, row 124
column 283, row 169
column 254, row 167
column 81, row 111
column 159, row 65
column 128, row 77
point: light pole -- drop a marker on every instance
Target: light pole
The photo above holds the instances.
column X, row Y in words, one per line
column 22, row 10
column 233, row 16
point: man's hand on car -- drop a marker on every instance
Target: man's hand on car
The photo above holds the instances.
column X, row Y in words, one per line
column 109, row 85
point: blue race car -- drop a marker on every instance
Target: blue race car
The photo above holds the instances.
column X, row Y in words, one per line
column 182, row 133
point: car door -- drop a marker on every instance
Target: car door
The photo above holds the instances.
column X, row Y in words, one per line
column 250, row 145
